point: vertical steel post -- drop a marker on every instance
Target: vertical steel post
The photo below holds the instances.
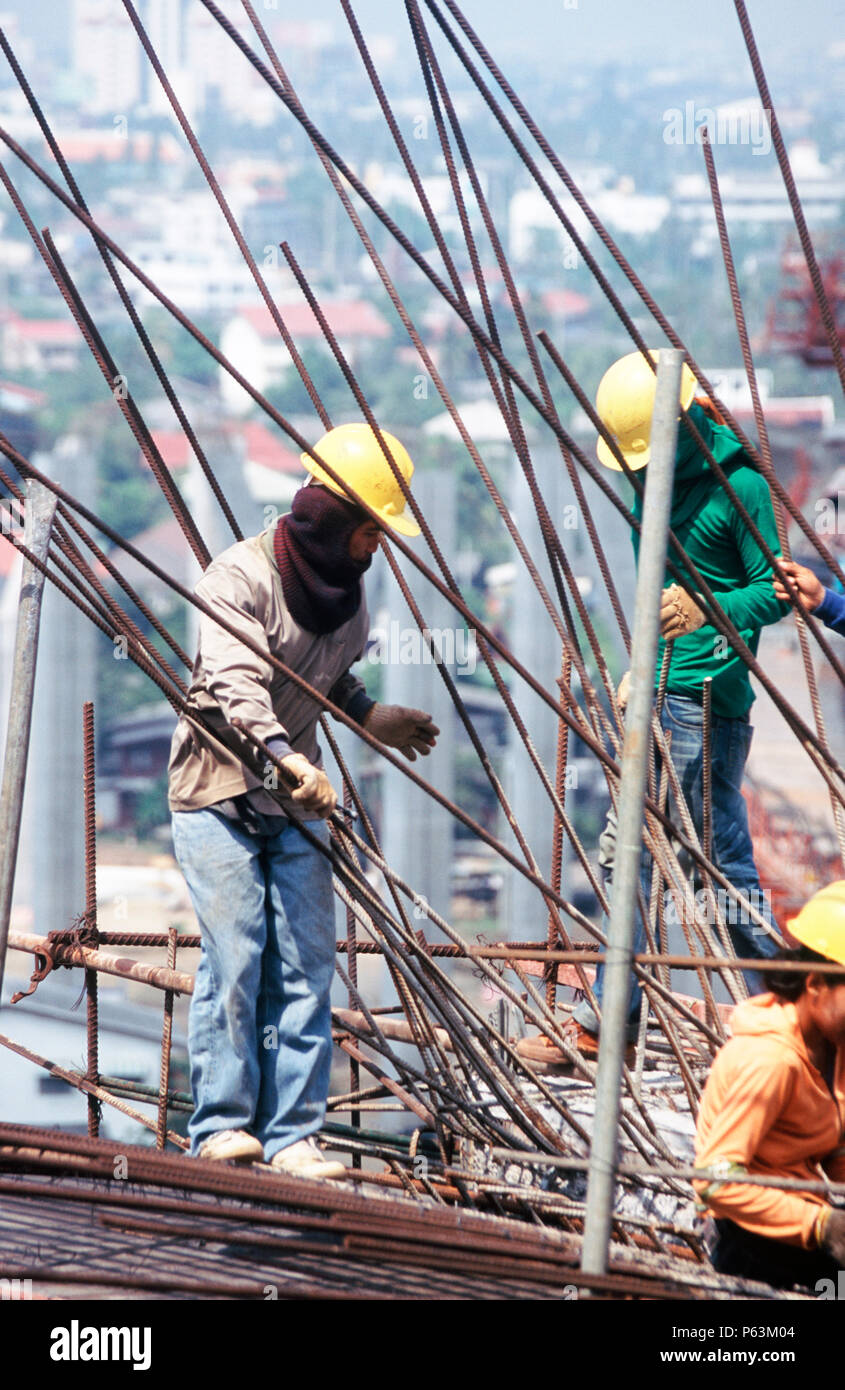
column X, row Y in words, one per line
column 651, row 571
column 40, row 509
column 557, row 832
column 352, row 962
column 91, row 932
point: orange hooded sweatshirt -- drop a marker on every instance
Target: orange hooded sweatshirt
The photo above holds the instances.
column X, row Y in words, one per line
column 767, row 1108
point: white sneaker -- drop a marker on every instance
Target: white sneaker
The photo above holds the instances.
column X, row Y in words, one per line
column 233, row 1144
column 304, row 1160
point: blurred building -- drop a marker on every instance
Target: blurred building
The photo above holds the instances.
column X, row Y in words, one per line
column 107, row 55
column 254, row 345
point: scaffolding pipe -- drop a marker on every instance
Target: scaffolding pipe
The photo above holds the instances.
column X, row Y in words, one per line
column 619, row 964
column 39, row 511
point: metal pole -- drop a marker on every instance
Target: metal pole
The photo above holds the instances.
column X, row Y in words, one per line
column 651, row 571
column 91, row 933
column 40, row 508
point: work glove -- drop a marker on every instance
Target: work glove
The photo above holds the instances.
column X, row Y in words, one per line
column 679, row 613
column 314, row 791
column 832, row 1238
column 623, row 691
column 409, row 730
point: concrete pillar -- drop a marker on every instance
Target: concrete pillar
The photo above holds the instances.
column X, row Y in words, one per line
column 66, row 677
column 534, row 641
column 417, row 834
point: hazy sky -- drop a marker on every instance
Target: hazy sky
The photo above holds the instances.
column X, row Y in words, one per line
column 607, row 29
column 564, row 31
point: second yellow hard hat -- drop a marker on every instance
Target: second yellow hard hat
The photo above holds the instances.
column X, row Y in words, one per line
column 625, row 402
column 821, row 922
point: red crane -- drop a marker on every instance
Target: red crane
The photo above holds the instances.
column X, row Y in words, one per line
column 794, row 323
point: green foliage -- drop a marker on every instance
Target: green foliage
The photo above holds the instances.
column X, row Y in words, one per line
column 181, row 355
column 71, row 397
column 473, row 792
column 129, row 497
column 151, row 809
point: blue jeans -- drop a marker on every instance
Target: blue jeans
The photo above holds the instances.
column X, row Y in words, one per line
column 733, row 852
column 259, row 1032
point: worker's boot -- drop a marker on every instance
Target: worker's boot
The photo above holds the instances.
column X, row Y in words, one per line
column 546, row 1057
column 234, row 1145
column 304, row 1160
column 588, row 1045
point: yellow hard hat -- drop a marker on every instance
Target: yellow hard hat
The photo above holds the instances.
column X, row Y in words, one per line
column 625, row 401
column 821, row 922
column 354, row 452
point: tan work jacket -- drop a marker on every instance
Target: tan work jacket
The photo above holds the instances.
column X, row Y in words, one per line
column 231, row 681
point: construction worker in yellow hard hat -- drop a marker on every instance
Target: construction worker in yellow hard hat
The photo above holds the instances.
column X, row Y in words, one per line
column 726, row 553
column 732, row 563
column 260, row 1021
column 774, row 1106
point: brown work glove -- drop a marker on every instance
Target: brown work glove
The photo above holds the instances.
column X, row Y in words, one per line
column 623, row 691
column 409, row 730
column 679, row 613
column 832, row 1237
column 314, row 791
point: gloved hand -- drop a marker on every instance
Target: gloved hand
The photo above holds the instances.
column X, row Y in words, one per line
column 623, row 691
column 409, row 730
column 314, row 791
column 832, row 1239
column 679, row 613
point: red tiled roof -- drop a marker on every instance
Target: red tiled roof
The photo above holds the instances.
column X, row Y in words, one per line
column 26, row 393
column 173, row 447
column 348, row 318
column 565, row 303
column 265, row 448
column 46, row 330
column 160, row 542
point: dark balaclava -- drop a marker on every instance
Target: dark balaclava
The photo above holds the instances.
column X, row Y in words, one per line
column 321, row 582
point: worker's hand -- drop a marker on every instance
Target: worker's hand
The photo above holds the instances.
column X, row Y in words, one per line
column 810, row 589
column 314, row 791
column 409, row 730
column 679, row 613
column 623, row 691
column 833, row 1236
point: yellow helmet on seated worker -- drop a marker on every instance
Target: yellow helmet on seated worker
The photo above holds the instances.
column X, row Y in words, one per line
column 625, row 402
column 821, row 922
column 355, row 454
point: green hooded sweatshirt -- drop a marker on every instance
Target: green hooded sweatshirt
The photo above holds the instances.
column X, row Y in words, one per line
column 720, row 545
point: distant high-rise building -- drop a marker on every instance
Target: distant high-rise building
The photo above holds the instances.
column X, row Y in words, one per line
column 211, row 58
column 165, row 22
column 106, row 52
